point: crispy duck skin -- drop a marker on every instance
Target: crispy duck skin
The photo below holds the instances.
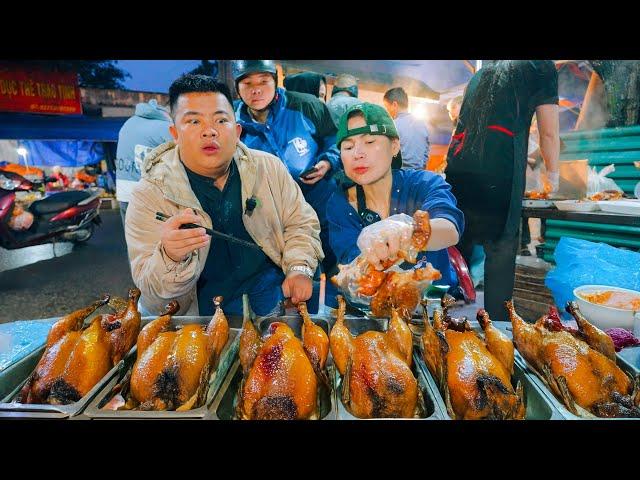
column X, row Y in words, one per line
column 577, row 367
column 375, row 366
column 280, row 372
column 75, row 360
column 173, row 367
column 474, row 374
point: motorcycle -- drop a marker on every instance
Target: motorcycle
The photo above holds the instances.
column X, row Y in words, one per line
column 65, row 216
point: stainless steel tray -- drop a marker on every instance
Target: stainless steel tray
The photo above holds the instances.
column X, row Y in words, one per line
column 22, row 370
column 14, row 377
column 535, row 378
column 558, row 405
column 428, row 388
column 539, row 407
column 95, row 411
column 224, row 405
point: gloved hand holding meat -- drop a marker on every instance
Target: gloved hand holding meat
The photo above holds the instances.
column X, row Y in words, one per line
column 374, row 277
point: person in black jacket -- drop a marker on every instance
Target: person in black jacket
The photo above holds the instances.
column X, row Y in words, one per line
column 307, row 82
column 487, row 159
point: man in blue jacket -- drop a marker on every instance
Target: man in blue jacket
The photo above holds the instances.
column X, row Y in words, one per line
column 297, row 128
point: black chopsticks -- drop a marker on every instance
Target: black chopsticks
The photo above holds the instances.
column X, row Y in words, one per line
column 214, row 233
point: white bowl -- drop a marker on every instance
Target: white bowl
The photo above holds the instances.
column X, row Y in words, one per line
column 602, row 316
column 576, row 205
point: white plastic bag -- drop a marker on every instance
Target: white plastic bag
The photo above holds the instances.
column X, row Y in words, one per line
column 598, row 181
column 355, row 279
column 363, row 277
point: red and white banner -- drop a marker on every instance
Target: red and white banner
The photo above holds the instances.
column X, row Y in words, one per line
column 36, row 91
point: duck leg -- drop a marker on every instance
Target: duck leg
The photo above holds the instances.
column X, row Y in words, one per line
column 250, row 341
column 315, row 344
column 497, row 342
column 595, row 338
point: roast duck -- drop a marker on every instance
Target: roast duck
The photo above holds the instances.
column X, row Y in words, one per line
column 473, row 373
column 173, row 364
column 578, row 365
column 281, row 374
column 389, row 289
column 75, row 359
column 376, row 369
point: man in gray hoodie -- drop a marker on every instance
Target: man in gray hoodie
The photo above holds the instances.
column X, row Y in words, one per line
column 148, row 128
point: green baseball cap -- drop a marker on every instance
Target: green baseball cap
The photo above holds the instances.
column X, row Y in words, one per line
column 378, row 122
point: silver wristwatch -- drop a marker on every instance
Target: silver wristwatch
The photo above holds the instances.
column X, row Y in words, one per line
column 302, row 269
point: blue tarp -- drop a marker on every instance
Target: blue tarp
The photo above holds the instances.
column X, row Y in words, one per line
column 63, row 153
column 27, row 126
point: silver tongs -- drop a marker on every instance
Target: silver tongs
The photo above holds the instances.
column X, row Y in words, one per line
column 214, row 233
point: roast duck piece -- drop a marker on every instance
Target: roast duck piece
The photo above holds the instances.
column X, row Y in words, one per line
column 173, row 365
column 473, row 373
column 392, row 289
column 606, row 195
column 376, row 369
column 281, row 374
column 75, row 360
column 579, row 366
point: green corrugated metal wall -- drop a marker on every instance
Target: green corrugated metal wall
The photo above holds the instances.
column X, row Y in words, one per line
column 620, row 146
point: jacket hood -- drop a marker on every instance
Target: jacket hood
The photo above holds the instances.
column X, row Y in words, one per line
column 153, row 111
column 305, row 82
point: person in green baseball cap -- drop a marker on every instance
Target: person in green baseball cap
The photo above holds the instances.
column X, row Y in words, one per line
column 368, row 141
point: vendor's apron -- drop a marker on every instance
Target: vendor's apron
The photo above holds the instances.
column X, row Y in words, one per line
column 488, row 188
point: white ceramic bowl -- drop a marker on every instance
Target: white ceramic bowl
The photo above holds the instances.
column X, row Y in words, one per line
column 602, row 316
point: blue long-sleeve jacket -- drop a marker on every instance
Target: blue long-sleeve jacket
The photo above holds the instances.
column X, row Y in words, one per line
column 298, row 130
column 411, row 190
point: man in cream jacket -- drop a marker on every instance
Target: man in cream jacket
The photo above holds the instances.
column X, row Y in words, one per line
column 207, row 176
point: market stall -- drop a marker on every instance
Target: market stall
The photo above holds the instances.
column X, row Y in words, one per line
column 395, row 347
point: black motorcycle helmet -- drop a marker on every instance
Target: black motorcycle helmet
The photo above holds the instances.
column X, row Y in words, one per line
column 242, row 68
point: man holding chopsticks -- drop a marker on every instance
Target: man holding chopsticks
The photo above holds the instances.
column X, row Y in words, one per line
column 212, row 217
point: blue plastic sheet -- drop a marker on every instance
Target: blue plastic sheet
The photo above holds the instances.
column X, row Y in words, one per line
column 19, row 339
column 65, row 153
column 580, row 262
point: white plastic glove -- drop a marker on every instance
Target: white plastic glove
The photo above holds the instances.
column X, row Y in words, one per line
column 554, row 180
column 384, row 239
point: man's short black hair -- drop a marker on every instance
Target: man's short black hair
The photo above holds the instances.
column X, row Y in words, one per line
column 189, row 83
column 397, row 95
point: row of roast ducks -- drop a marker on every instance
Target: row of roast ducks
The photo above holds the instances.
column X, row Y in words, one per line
column 282, row 374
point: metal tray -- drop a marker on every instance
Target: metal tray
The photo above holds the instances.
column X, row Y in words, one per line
column 94, row 409
column 558, row 405
column 23, row 369
column 539, row 407
column 536, row 379
column 224, row 405
column 433, row 411
column 15, row 376
column 630, row 357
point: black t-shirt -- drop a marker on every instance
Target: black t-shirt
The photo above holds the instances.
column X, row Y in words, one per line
column 488, row 183
column 513, row 104
column 230, row 269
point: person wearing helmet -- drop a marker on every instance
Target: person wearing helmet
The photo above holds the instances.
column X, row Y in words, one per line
column 343, row 95
column 297, row 128
column 368, row 142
